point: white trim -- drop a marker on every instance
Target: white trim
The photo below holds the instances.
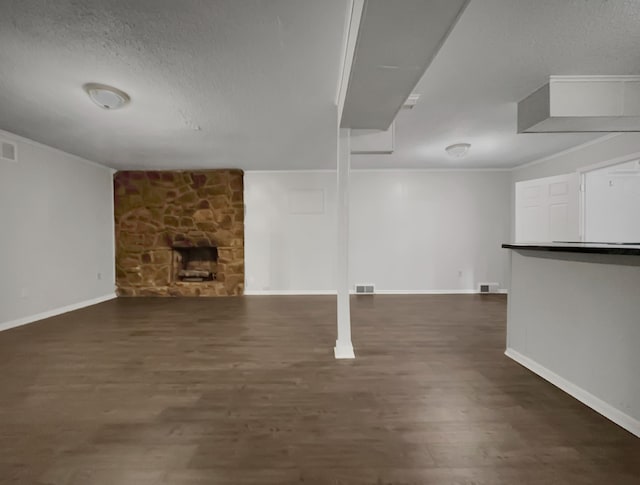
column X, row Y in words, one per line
column 582, row 204
column 113, row 231
column 608, row 163
column 607, row 410
column 387, row 170
column 594, row 78
column 343, row 351
column 22, row 139
column 437, row 292
column 606, row 137
column 287, row 292
column 56, row 311
column 426, row 169
column 378, row 292
column 311, row 170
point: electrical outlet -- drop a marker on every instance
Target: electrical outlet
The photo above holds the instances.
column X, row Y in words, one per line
column 459, row 273
column 99, row 276
column 24, row 292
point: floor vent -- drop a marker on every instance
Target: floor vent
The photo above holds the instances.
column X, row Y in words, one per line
column 365, row 289
column 8, row 151
column 488, row 287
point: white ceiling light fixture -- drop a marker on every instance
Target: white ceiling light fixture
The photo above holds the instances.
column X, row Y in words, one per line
column 458, row 150
column 107, row 97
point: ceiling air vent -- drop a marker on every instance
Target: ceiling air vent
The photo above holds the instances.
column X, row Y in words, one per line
column 8, row 151
column 365, row 289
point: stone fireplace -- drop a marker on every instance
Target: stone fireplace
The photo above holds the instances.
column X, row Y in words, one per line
column 179, row 233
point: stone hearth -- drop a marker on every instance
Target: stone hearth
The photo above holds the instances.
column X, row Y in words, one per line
column 179, row 233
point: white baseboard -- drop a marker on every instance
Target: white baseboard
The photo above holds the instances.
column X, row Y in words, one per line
column 288, row 292
column 607, row 410
column 56, row 311
column 432, row 292
column 378, row 292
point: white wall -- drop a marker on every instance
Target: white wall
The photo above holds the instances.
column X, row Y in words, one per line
column 409, row 231
column 290, row 242
column 429, row 231
column 612, row 202
column 57, row 232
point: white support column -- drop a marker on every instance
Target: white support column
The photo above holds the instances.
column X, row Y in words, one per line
column 344, row 347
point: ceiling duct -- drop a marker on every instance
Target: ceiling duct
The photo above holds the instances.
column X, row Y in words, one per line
column 397, row 40
column 373, row 142
column 579, row 104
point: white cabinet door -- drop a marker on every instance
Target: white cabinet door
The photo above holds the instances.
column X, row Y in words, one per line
column 547, row 209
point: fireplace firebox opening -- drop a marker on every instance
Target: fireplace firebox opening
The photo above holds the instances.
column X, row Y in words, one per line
column 195, row 264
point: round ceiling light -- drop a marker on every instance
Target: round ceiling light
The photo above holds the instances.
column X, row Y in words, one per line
column 458, row 150
column 107, row 97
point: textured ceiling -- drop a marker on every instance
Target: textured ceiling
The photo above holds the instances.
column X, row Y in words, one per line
column 235, row 83
column 396, row 43
column 252, row 83
column 499, row 52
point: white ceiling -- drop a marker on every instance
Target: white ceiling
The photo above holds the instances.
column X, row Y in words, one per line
column 214, row 83
column 252, row 83
column 499, row 52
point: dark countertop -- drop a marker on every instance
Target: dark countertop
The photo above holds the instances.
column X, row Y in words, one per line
column 579, row 247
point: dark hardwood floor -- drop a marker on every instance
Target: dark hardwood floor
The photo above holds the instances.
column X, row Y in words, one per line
column 235, row 391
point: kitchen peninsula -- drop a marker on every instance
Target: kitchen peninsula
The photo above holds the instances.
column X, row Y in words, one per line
column 574, row 319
